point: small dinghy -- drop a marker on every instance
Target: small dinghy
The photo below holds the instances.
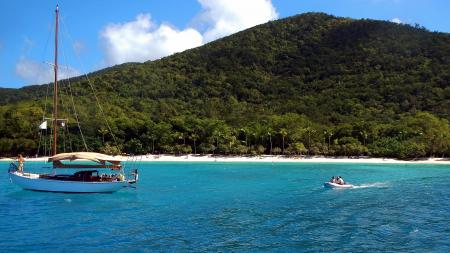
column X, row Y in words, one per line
column 337, row 186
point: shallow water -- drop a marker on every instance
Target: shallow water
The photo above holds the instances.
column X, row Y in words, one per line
column 203, row 207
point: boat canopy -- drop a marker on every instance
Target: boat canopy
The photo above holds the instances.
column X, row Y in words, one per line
column 103, row 161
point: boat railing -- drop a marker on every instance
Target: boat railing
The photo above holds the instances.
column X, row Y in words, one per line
column 132, row 168
column 132, row 177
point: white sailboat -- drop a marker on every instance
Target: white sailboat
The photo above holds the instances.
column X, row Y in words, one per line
column 87, row 178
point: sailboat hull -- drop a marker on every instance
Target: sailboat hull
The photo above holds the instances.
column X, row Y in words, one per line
column 30, row 181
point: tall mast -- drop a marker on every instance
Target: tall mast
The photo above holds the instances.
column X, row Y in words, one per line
column 55, row 86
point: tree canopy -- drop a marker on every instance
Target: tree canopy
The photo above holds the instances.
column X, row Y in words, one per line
column 308, row 84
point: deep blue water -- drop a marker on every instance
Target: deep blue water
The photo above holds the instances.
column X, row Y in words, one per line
column 221, row 207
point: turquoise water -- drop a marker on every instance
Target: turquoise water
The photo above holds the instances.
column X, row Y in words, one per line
column 215, row 207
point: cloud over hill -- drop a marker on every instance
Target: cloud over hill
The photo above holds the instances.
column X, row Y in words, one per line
column 141, row 39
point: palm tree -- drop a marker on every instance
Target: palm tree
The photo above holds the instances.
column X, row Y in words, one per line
column 270, row 140
column 245, row 133
column 153, row 138
column 283, row 133
column 231, row 141
column 364, row 135
column 309, row 130
column 194, row 137
column 216, row 135
column 103, row 132
column 329, row 134
column 149, row 137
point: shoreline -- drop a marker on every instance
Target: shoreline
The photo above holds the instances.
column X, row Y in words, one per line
column 263, row 158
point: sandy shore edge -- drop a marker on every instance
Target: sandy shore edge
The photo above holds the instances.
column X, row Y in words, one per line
column 264, row 158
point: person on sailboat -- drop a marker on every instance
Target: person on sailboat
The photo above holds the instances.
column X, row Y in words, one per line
column 20, row 160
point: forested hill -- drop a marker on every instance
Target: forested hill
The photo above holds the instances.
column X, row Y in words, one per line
column 311, row 83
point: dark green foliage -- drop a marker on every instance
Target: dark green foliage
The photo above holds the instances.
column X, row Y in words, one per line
column 309, row 84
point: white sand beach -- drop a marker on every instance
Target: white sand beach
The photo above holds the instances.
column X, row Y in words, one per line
column 265, row 158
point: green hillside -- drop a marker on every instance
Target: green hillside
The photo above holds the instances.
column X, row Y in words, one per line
column 310, row 84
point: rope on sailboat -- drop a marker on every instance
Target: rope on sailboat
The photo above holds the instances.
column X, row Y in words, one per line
column 41, row 138
column 60, row 96
column 76, row 116
column 90, row 83
column 69, row 92
column 101, row 109
column 43, row 118
column 64, row 127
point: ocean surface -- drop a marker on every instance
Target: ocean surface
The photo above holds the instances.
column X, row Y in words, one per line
column 238, row 207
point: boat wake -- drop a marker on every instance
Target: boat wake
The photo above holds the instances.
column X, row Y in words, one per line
column 372, row 185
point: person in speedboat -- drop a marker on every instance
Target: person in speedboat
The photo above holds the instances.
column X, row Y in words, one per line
column 337, row 180
column 340, row 180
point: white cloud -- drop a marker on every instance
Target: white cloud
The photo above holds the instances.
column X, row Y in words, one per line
column 28, row 45
column 78, row 47
column 141, row 40
column 397, row 21
column 224, row 17
column 38, row 73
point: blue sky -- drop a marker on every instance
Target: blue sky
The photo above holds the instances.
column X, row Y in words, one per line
column 100, row 33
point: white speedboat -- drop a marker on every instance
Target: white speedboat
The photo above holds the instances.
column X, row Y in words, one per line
column 337, row 186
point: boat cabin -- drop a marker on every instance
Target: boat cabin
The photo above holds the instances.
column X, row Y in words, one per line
column 94, row 161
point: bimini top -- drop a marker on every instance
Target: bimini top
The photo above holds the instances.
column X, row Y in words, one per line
column 101, row 159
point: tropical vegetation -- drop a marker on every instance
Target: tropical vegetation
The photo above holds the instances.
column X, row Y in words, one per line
column 311, row 84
